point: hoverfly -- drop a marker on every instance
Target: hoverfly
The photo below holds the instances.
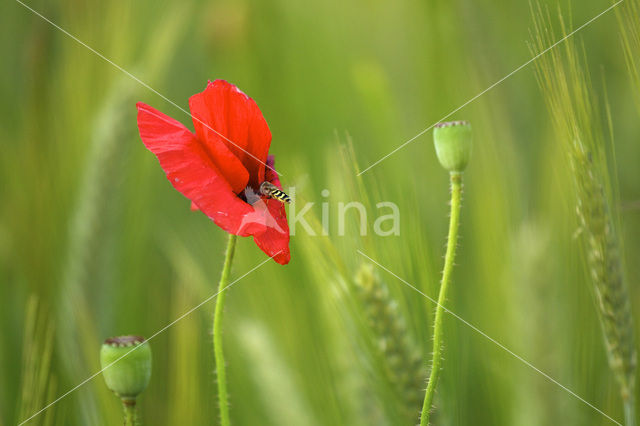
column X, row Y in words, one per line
column 271, row 191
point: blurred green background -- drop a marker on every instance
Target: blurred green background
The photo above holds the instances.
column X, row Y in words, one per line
column 94, row 242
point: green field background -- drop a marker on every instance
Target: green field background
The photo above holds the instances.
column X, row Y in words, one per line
column 94, row 241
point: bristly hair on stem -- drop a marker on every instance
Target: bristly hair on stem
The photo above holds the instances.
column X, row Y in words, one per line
column 130, row 414
column 576, row 118
column 449, row 259
column 223, row 397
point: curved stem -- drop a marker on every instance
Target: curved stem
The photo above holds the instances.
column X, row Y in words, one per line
column 217, row 333
column 456, row 193
column 129, row 412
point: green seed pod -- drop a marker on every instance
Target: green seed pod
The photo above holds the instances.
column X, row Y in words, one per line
column 127, row 376
column 453, row 144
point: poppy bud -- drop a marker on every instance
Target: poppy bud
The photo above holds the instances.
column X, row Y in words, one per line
column 453, row 144
column 127, row 368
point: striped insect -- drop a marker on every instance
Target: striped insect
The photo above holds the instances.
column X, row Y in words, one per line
column 271, row 191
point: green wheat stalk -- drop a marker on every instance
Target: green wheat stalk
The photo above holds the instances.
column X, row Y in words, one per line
column 628, row 15
column 88, row 227
column 567, row 89
column 38, row 385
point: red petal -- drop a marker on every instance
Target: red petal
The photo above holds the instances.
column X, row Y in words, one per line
column 274, row 241
column 222, row 109
column 191, row 171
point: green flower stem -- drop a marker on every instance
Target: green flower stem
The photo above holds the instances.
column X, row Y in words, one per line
column 129, row 412
column 454, row 221
column 217, row 333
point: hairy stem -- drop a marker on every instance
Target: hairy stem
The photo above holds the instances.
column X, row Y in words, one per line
column 130, row 416
column 454, row 221
column 217, row 333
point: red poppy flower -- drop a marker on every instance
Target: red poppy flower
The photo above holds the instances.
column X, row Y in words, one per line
column 221, row 166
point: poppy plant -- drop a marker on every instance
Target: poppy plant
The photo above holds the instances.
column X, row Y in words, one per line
column 220, row 167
